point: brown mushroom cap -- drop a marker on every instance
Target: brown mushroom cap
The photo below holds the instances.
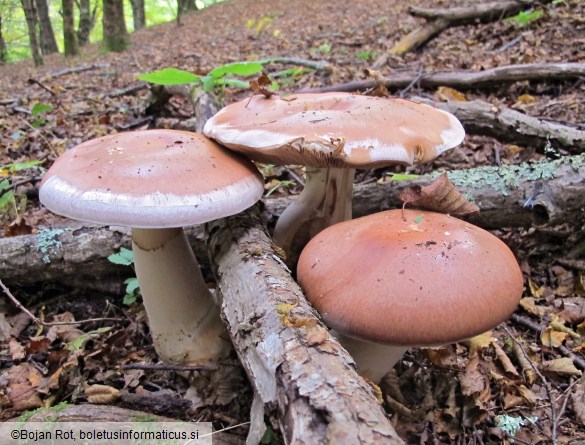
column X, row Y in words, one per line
column 150, row 179
column 410, row 283
column 335, row 130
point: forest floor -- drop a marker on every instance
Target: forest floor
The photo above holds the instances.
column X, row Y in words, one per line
column 468, row 393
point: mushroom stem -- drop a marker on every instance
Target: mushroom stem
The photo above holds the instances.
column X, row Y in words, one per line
column 184, row 319
column 373, row 360
column 325, row 200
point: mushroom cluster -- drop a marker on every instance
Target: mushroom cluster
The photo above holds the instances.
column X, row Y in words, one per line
column 157, row 182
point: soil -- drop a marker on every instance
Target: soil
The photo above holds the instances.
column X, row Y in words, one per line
column 466, row 393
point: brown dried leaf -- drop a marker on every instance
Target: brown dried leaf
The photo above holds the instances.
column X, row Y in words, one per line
column 552, row 338
column 260, row 86
column 101, row 394
column 478, row 343
column 17, row 351
column 441, row 196
column 578, row 399
column 561, row 366
column 529, row 305
column 21, row 392
column 447, row 94
column 17, row 227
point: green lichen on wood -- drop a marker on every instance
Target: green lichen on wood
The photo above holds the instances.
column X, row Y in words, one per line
column 508, row 177
column 48, row 243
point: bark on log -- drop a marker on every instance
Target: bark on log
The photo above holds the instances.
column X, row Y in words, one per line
column 507, row 125
column 299, row 372
column 467, row 79
column 440, row 19
column 108, row 413
column 79, row 256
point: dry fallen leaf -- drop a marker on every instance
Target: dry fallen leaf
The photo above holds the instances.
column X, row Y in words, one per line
column 478, row 343
column 447, row 94
column 441, row 196
column 552, row 338
column 578, row 399
column 260, row 86
column 101, row 394
column 561, row 366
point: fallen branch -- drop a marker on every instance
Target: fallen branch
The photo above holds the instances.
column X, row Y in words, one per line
column 78, row 69
column 439, row 20
column 466, row 79
column 542, row 195
column 317, row 65
column 507, row 125
column 300, row 374
column 107, row 413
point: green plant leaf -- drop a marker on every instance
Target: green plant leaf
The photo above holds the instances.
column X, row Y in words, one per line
column 169, row 76
column 237, row 68
column 124, row 257
column 40, row 108
column 18, row 166
column 236, row 83
column 402, row 176
column 78, row 343
column 207, row 82
column 418, row 219
column 131, row 285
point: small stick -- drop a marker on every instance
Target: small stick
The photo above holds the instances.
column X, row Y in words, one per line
column 165, row 367
column 40, row 322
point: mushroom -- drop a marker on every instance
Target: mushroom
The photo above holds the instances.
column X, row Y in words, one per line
column 156, row 182
column 332, row 134
column 386, row 283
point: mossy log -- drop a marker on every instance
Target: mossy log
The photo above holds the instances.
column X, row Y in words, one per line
column 541, row 195
column 302, row 377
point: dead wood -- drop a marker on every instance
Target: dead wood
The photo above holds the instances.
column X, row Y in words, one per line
column 77, row 69
column 466, row 79
column 540, row 195
column 300, row 374
column 440, row 19
column 507, row 125
column 107, row 413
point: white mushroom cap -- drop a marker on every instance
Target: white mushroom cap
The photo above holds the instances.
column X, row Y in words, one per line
column 150, row 179
column 335, row 129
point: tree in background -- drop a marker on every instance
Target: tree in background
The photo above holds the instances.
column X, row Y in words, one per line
column 87, row 18
column 3, row 49
column 30, row 13
column 115, row 34
column 46, row 34
column 69, row 36
column 138, row 14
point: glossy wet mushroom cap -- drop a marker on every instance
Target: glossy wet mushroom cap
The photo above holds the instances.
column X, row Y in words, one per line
column 335, row 129
column 432, row 279
column 150, row 179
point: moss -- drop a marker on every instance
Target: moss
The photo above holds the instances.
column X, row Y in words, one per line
column 25, row 417
column 507, row 177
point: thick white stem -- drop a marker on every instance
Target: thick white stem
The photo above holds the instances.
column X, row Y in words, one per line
column 183, row 317
column 325, row 200
column 373, row 360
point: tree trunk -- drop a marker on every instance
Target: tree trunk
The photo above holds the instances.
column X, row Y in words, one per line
column 138, row 14
column 302, row 378
column 48, row 42
column 3, row 48
column 182, row 6
column 69, row 35
column 115, row 34
column 30, row 13
column 86, row 21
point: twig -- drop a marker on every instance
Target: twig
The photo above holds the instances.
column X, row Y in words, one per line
column 27, row 123
column 42, row 85
column 166, row 367
column 547, row 387
column 414, row 81
column 40, row 322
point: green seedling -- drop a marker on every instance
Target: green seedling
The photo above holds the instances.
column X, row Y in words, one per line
column 217, row 77
column 125, row 257
column 9, row 201
column 38, row 111
column 79, row 342
column 365, row 55
column 278, row 185
column 401, row 176
column 525, row 18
